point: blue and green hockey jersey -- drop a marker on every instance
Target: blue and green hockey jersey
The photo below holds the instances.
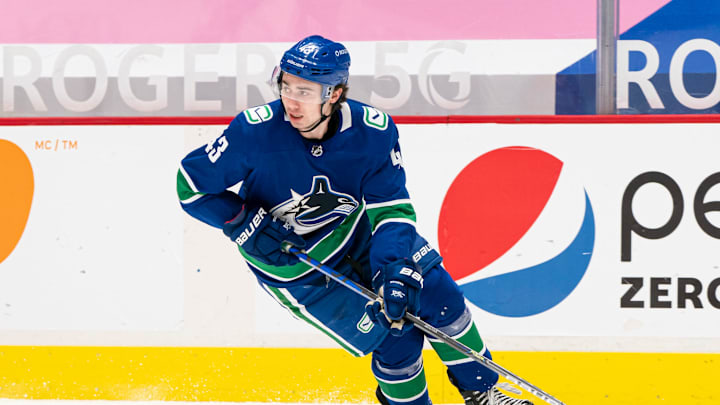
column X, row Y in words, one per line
column 338, row 194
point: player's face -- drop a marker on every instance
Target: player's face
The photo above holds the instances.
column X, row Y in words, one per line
column 301, row 99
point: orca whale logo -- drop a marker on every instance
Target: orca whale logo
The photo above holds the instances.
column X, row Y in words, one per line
column 311, row 211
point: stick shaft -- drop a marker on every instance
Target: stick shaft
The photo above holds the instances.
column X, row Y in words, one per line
column 423, row 326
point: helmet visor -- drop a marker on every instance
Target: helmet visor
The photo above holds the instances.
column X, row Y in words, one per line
column 296, row 88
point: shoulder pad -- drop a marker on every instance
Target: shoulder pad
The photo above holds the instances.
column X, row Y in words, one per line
column 375, row 118
column 259, row 114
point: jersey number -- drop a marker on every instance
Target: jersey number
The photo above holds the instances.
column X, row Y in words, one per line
column 214, row 151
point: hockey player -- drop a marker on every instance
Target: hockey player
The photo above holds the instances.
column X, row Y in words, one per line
column 325, row 173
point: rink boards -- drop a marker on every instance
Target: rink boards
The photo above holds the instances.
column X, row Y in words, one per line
column 109, row 291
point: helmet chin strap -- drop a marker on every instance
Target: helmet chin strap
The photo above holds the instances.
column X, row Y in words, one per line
column 323, row 117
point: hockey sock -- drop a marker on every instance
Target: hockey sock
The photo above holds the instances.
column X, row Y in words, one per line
column 402, row 388
column 469, row 374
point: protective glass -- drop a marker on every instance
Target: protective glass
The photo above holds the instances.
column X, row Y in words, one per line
column 304, row 92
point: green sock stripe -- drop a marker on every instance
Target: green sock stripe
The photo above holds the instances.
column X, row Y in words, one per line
column 404, row 390
column 471, row 338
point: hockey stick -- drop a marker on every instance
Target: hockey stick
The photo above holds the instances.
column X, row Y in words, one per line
column 422, row 325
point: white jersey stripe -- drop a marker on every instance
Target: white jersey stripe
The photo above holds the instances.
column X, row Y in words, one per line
column 192, row 199
column 188, row 179
column 316, row 321
column 388, row 203
column 389, row 220
column 274, row 297
column 346, row 116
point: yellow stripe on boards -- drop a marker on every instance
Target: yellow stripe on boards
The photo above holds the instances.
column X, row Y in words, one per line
column 332, row 375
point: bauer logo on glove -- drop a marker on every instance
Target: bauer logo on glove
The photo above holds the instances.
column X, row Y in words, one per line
column 254, row 223
column 261, row 236
column 412, row 274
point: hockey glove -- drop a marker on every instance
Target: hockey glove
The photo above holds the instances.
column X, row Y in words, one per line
column 261, row 235
column 400, row 292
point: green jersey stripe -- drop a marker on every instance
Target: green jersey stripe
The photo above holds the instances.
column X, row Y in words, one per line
column 185, row 190
column 402, row 212
column 388, row 203
column 188, row 179
column 286, row 299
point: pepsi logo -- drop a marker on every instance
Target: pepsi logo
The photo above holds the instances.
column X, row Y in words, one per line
column 516, row 231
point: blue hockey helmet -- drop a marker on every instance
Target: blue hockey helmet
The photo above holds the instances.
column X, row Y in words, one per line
column 318, row 60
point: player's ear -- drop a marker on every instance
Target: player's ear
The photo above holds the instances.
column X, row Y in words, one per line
column 336, row 94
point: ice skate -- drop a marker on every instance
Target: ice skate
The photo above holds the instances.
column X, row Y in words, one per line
column 492, row 397
column 381, row 397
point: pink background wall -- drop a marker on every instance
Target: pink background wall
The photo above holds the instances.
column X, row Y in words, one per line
column 217, row 21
